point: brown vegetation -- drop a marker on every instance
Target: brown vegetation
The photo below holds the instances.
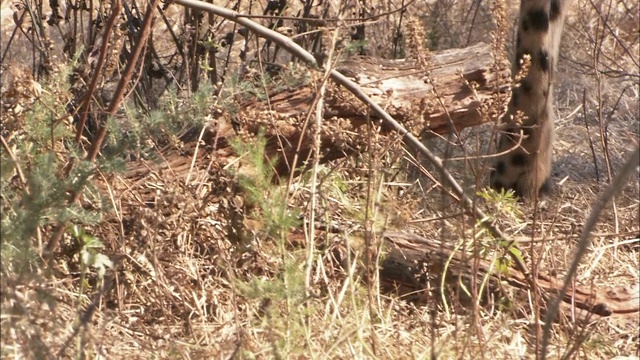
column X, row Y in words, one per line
column 214, row 248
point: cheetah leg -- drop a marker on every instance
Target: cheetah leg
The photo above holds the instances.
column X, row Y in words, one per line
column 527, row 168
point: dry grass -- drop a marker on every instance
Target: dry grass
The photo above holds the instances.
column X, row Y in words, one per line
column 200, row 273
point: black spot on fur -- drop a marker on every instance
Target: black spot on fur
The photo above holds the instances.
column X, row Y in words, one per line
column 514, row 98
column 536, row 19
column 554, row 10
column 501, row 167
column 546, row 187
column 519, row 160
column 543, row 60
column 525, row 86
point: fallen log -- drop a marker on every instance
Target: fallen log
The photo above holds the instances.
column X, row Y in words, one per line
column 409, row 254
column 439, row 95
column 433, row 100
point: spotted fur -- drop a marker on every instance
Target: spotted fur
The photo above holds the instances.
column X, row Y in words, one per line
column 526, row 168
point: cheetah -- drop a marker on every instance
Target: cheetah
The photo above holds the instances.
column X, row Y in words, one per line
column 523, row 161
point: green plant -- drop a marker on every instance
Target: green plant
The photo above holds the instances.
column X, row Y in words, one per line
column 35, row 190
column 505, row 203
column 282, row 294
column 43, row 166
column 255, row 177
column 89, row 257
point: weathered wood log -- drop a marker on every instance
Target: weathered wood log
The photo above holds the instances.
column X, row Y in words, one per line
column 409, row 254
column 437, row 99
column 438, row 96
